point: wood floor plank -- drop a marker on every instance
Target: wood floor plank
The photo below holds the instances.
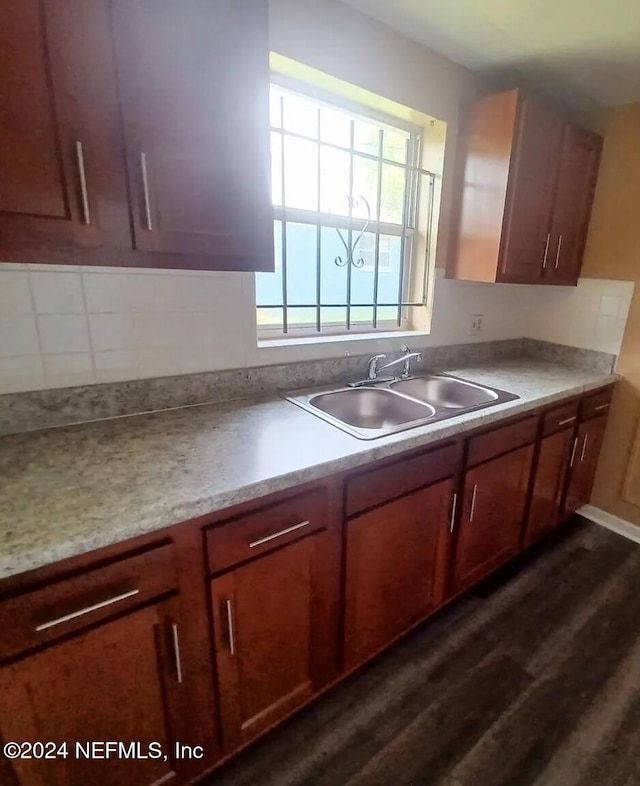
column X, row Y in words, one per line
column 519, row 747
column 439, row 736
column 603, row 747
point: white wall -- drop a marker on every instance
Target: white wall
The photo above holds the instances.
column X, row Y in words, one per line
column 337, row 39
column 68, row 326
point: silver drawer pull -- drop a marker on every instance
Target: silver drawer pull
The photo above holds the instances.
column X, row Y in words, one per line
column 453, row 511
column 83, row 183
column 600, row 407
column 473, row 501
column 546, row 251
column 573, row 451
column 176, row 652
column 566, row 421
column 279, row 534
column 558, row 252
column 232, row 635
column 75, row 614
column 584, row 448
column 145, row 191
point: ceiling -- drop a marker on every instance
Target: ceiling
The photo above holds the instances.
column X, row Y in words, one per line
column 585, row 52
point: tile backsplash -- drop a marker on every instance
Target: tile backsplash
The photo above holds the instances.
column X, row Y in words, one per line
column 70, row 326
column 66, row 326
column 592, row 315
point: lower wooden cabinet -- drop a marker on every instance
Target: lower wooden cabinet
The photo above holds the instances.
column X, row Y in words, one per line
column 117, row 682
column 584, row 463
column 495, row 494
column 275, row 623
column 548, row 485
column 394, row 571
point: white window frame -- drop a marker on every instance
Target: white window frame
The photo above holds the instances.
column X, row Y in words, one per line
column 354, row 225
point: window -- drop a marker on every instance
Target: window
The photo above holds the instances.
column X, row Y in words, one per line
column 352, row 220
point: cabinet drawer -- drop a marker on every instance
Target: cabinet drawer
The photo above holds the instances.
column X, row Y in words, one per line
column 596, row 404
column 374, row 487
column 42, row 615
column 266, row 529
column 560, row 417
column 501, row 440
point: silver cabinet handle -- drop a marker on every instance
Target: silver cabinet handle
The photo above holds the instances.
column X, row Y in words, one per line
column 600, row 407
column 279, row 534
column 87, row 610
column 176, row 652
column 566, row 421
column 558, row 252
column 232, row 635
column 573, row 451
column 454, row 505
column 584, row 448
column 145, row 189
column 83, row 183
column 473, row 501
column 546, row 251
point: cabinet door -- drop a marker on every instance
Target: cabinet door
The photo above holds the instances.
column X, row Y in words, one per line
column 530, row 194
column 584, row 463
column 114, row 683
column 62, row 182
column 495, row 494
column 393, row 571
column 274, row 620
column 194, row 81
column 577, row 174
column 548, row 484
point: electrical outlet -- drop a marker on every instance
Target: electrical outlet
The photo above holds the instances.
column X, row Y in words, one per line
column 476, row 324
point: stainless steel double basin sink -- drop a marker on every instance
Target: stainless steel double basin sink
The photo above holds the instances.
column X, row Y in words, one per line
column 375, row 410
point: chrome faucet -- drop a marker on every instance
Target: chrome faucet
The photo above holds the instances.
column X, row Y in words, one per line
column 405, row 358
column 374, row 368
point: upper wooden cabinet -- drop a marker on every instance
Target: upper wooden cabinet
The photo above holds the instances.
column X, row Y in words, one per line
column 575, row 187
column 62, row 185
column 526, row 193
column 135, row 132
column 193, row 78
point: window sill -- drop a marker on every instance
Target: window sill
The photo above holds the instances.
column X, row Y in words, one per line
column 341, row 338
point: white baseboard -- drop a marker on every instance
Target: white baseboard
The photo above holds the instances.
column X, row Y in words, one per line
column 608, row 520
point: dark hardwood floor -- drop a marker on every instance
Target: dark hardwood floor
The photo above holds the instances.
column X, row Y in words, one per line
column 534, row 678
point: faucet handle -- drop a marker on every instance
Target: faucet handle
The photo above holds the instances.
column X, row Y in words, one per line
column 373, row 366
column 417, row 356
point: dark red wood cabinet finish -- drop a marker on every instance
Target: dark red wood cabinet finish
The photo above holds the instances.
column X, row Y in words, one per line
column 135, row 132
column 575, row 186
column 393, row 572
column 536, row 153
column 275, row 613
column 584, row 462
column 527, row 223
column 548, row 485
column 193, row 78
column 118, row 682
column 62, row 183
column 217, row 629
column 495, row 494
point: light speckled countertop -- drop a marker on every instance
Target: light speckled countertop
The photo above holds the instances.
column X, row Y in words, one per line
column 67, row 491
